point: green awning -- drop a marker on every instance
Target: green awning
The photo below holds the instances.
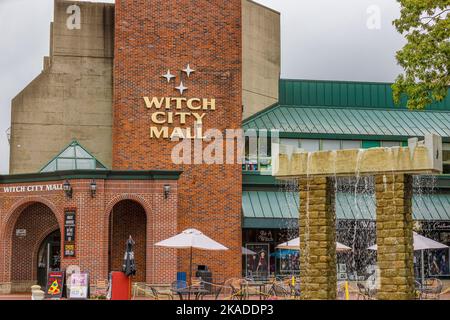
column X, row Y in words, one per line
column 273, row 209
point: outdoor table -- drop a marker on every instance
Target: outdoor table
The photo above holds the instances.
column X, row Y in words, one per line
column 196, row 292
column 260, row 285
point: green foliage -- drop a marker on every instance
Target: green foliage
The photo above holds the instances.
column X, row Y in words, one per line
column 426, row 56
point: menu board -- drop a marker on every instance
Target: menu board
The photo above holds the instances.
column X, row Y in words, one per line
column 79, row 285
column 69, row 234
column 55, row 285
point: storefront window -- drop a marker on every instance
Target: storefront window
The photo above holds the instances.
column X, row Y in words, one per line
column 329, row 145
column 390, row 144
column 310, row 145
column 351, row 144
column 446, row 157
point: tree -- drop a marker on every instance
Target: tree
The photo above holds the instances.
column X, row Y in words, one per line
column 426, row 56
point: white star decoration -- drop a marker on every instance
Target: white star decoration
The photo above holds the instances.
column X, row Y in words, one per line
column 168, row 76
column 188, row 70
column 181, row 88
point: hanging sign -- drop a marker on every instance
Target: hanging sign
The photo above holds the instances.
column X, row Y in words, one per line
column 55, row 285
column 69, row 234
column 21, row 233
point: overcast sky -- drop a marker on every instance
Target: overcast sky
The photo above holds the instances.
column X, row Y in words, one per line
column 321, row 39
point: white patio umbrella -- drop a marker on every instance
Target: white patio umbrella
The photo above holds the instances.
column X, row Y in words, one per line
column 294, row 244
column 247, row 252
column 189, row 239
column 421, row 243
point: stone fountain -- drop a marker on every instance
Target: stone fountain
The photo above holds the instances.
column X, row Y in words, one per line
column 393, row 169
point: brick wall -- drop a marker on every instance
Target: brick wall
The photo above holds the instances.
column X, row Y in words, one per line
column 151, row 37
column 92, row 225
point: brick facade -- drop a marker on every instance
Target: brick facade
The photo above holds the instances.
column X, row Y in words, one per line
column 150, row 38
column 41, row 212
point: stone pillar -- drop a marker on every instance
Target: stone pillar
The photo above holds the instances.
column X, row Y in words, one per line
column 395, row 236
column 317, row 238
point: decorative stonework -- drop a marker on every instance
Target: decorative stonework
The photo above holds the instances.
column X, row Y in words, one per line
column 395, row 236
column 317, row 238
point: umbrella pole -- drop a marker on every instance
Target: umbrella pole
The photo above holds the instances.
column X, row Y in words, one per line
column 190, row 277
column 423, row 268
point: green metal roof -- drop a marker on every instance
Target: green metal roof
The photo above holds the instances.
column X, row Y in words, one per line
column 277, row 205
column 353, row 122
column 345, row 94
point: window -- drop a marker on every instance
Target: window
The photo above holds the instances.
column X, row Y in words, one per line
column 329, row 145
column 390, row 144
column 446, row 157
column 446, row 153
column 73, row 157
column 351, row 144
column 310, row 144
column 290, row 142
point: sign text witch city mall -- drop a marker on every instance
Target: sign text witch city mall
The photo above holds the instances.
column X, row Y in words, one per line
column 35, row 188
column 161, row 116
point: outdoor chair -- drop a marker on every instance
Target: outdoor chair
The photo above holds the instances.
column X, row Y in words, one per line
column 417, row 290
column 236, row 285
column 179, row 284
column 431, row 289
column 197, row 282
column 295, row 289
column 142, row 289
column 159, row 294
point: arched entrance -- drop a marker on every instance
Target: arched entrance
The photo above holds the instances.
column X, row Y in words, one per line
column 35, row 226
column 127, row 218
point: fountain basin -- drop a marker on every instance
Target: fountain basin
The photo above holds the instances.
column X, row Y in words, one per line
column 423, row 157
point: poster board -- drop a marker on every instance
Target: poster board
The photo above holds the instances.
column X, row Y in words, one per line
column 78, row 284
column 55, row 285
column 258, row 265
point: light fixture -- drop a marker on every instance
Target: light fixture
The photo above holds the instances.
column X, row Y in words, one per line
column 166, row 191
column 93, row 188
column 67, row 188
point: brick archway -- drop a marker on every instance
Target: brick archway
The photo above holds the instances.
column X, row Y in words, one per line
column 128, row 216
column 15, row 211
column 38, row 217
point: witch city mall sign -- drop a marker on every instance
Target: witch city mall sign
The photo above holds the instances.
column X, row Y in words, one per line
column 34, row 188
column 170, row 110
column 166, row 111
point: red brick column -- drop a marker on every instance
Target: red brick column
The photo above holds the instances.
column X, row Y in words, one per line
column 150, row 38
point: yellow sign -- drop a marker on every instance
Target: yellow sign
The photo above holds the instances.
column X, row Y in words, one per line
column 168, row 110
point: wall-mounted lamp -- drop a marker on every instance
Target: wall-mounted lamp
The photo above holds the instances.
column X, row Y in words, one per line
column 166, row 191
column 93, row 188
column 67, row 188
